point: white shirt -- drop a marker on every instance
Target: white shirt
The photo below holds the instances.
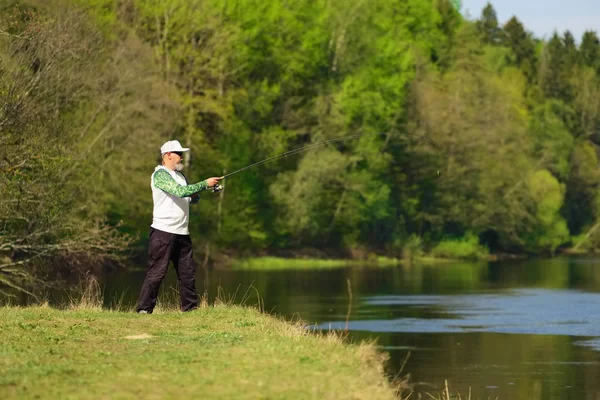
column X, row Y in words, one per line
column 171, row 213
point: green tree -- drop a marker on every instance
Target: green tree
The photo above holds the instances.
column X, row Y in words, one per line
column 521, row 43
column 581, row 208
column 56, row 99
column 554, row 70
column 242, row 80
column 488, row 26
column 371, row 66
column 571, row 53
column 477, row 120
column 550, row 229
column 553, row 142
column 589, row 50
column 450, row 20
column 586, row 102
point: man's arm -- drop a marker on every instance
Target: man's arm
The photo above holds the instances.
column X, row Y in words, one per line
column 164, row 181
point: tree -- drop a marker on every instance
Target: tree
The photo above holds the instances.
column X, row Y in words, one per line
column 450, row 20
column 586, row 102
column 550, row 229
column 51, row 78
column 553, row 143
column 243, row 80
column 488, row 27
column 478, row 121
column 371, row 66
column 581, row 208
column 571, row 53
column 554, row 70
column 520, row 42
column 589, row 50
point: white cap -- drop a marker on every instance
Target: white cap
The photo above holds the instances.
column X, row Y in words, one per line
column 172, row 146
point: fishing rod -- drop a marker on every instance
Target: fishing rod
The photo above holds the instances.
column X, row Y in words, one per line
column 218, row 187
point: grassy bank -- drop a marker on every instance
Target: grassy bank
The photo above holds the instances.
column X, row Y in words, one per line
column 278, row 263
column 224, row 352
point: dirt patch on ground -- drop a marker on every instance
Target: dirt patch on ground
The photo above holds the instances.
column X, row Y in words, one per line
column 138, row 337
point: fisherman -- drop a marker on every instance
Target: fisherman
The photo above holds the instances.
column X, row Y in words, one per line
column 169, row 236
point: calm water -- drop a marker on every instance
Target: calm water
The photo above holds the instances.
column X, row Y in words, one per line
column 512, row 330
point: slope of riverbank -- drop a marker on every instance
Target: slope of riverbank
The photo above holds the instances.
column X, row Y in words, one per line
column 224, row 352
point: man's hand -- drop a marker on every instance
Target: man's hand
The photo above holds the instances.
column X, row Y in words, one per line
column 213, row 181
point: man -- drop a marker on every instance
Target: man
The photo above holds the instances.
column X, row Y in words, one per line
column 169, row 235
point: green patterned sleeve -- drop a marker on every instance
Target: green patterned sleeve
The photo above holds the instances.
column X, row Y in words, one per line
column 164, row 181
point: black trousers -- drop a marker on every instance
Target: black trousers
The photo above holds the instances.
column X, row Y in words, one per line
column 165, row 247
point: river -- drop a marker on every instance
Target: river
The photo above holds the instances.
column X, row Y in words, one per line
column 512, row 330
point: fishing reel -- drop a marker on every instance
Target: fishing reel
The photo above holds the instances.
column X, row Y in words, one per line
column 217, row 188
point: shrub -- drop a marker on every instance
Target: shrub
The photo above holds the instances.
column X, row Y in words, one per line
column 467, row 247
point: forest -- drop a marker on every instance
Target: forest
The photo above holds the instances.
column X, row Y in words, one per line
column 89, row 90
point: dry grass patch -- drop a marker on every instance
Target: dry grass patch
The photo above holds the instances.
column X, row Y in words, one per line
column 141, row 336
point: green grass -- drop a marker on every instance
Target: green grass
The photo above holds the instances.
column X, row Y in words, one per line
column 224, row 352
column 446, row 252
column 278, row 263
column 430, row 260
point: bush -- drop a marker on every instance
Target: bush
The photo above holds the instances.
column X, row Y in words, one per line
column 467, row 247
column 413, row 247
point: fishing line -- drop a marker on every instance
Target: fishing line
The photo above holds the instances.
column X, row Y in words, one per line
column 218, row 187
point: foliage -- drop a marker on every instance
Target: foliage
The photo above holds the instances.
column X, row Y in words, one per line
column 413, row 247
column 520, row 42
column 553, row 143
column 550, row 229
column 467, row 247
column 582, row 188
column 68, row 102
column 555, row 69
column 477, row 120
column 589, row 50
column 89, row 95
column 488, row 27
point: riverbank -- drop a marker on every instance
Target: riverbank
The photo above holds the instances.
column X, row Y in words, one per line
column 276, row 263
column 466, row 249
column 215, row 352
column 281, row 263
